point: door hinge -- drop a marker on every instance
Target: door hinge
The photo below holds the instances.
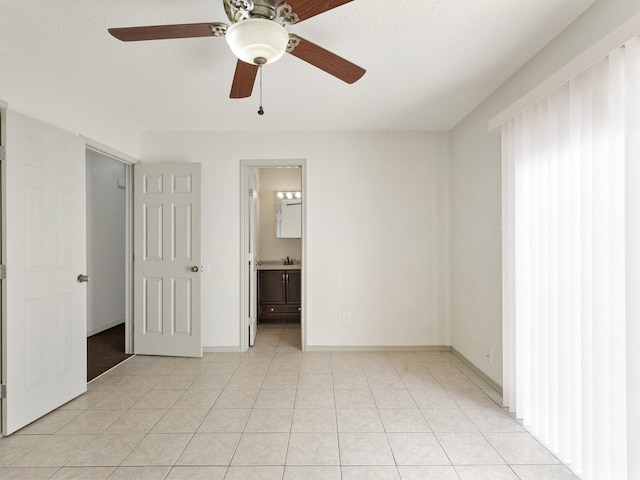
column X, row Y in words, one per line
column 3, row 153
column 3, row 272
column 3, row 391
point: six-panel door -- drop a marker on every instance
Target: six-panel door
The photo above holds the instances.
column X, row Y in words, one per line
column 45, row 324
column 167, row 259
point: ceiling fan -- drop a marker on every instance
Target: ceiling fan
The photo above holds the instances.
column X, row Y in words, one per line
column 257, row 36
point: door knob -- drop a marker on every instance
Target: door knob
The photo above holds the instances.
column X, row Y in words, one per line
column 83, row 278
column 194, row 269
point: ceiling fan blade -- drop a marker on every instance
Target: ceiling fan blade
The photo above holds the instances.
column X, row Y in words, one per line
column 325, row 60
column 162, row 32
column 243, row 80
column 310, row 8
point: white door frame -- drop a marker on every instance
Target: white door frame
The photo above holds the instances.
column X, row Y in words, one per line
column 245, row 169
column 3, row 142
column 129, row 162
column 252, row 223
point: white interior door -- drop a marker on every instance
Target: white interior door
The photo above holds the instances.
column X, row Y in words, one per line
column 253, row 258
column 44, row 326
column 167, row 259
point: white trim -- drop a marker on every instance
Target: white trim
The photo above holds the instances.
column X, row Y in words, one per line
column 96, row 146
column 3, row 125
column 381, row 348
column 483, row 376
column 245, row 166
column 105, row 327
column 3, row 256
column 129, row 346
column 596, row 52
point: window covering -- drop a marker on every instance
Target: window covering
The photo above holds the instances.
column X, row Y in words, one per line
column 566, row 271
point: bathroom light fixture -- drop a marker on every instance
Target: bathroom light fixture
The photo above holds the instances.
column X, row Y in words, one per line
column 289, row 195
column 257, row 41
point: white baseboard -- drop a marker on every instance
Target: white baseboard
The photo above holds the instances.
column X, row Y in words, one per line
column 428, row 348
column 104, row 327
column 492, row 383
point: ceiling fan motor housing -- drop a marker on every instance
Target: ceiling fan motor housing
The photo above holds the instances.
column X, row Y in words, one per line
column 238, row 10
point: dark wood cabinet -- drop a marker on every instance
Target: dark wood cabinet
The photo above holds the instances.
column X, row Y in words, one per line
column 293, row 288
column 279, row 295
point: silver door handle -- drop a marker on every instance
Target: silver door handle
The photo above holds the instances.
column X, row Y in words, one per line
column 83, row 278
column 194, row 269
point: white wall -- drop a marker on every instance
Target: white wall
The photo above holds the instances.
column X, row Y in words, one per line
column 33, row 93
column 377, row 231
column 106, row 242
column 475, row 186
column 271, row 181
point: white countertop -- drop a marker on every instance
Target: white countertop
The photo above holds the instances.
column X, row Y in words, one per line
column 277, row 265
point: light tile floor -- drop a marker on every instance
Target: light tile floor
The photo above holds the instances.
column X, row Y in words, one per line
column 276, row 413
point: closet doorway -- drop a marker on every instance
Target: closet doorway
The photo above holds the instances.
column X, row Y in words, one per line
column 107, row 253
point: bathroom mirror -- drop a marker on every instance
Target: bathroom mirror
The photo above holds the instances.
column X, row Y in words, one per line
column 289, row 215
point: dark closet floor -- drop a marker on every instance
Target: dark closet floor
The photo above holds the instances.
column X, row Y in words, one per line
column 105, row 350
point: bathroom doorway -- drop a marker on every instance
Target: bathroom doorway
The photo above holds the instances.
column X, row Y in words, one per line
column 270, row 249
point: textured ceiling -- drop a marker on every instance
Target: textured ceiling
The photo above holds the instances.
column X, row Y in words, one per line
column 428, row 62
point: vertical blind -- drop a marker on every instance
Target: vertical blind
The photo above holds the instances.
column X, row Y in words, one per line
column 564, row 263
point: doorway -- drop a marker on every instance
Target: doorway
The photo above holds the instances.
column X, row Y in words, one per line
column 264, row 248
column 106, row 187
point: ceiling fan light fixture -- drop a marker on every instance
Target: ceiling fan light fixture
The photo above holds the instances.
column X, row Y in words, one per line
column 257, row 41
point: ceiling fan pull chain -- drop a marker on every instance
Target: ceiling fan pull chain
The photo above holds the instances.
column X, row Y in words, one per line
column 260, row 110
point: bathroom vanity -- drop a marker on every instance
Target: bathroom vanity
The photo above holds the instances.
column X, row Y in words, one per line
column 279, row 292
